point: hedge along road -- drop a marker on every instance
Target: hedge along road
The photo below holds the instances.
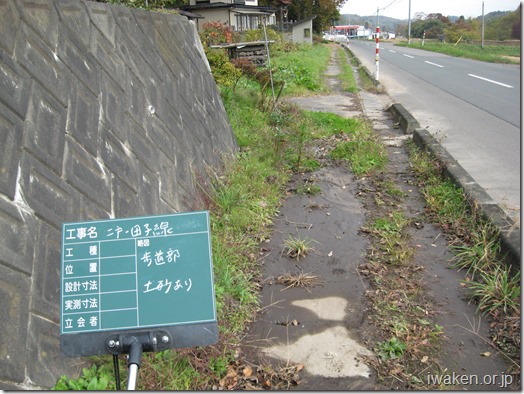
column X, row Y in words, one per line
column 472, row 108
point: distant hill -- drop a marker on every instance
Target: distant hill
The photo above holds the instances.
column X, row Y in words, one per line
column 494, row 15
column 386, row 23
column 394, row 25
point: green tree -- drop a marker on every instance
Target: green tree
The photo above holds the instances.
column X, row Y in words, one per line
column 504, row 27
column 433, row 24
column 325, row 11
column 432, row 27
column 465, row 29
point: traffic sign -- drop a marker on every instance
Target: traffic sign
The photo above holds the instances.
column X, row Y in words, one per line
column 137, row 274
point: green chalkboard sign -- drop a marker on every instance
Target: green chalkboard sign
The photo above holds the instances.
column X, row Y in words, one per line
column 135, row 273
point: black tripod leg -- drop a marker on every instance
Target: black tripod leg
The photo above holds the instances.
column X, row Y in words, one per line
column 117, row 371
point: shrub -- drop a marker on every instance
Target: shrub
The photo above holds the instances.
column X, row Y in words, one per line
column 224, row 72
column 215, row 33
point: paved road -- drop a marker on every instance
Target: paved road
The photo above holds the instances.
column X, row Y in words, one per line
column 472, row 107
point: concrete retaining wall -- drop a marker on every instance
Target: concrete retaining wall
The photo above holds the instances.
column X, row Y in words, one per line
column 104, row 112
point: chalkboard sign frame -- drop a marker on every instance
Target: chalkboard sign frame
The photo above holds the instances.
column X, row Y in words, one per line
column 149, row 274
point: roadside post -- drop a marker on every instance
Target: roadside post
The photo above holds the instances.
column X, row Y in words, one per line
column 377, row 53
column 133, row 285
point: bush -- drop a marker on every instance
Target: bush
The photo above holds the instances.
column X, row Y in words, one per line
column 224, row 72
column 215, row 33
column 258, row 35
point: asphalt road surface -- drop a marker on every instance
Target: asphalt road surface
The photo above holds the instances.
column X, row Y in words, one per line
column 472, row 108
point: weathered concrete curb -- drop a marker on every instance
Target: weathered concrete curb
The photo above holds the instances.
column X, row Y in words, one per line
column 360, row 65
column 407, row 121
column 509, row 230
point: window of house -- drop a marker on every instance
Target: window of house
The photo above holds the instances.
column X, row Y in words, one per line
column 307, row 33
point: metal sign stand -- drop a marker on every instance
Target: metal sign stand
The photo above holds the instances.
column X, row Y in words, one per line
column 133, row 345
column 135, row 355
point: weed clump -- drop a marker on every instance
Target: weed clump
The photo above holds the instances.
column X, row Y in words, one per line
column 297, row 247
column 364, row 153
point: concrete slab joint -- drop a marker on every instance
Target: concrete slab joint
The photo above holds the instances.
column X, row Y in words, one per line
column 405, row 120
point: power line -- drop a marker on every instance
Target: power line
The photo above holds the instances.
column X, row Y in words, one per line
column 389, row 5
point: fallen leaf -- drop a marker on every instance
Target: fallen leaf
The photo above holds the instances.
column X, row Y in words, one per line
column 300, row 367
column 424, row 359
column 248, row 371
column 486, row 354
column 330, row 254
column 396, row 371
column 295, row 322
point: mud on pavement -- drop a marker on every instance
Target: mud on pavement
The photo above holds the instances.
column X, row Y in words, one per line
column 327, row 328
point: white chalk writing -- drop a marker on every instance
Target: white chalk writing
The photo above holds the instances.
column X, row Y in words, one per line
column 159, row 257
column 167, row 285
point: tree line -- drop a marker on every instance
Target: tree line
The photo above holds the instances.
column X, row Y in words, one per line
column 496, row 27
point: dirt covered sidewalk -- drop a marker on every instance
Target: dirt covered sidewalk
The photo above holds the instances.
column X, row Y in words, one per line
column 319, row 315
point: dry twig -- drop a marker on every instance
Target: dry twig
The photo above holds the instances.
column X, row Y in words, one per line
column 301, row 280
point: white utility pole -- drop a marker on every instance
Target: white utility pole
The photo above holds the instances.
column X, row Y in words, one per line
column 482, row 43
column 377, row 35
column 409, row 24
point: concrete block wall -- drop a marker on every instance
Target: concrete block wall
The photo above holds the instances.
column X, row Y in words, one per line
column 105, row 112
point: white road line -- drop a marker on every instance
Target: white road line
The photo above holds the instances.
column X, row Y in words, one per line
column 433, row 64
column 392, row 51
column 411, row 57
column 490, row 80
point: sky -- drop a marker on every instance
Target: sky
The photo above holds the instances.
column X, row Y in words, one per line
column 399, row 9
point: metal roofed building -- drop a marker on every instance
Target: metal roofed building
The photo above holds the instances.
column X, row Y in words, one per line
column 240, row 15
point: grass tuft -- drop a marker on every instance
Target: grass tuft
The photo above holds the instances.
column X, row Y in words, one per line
column 363, row 151
column 297, row 247
column 490, row 53
column 497, row 291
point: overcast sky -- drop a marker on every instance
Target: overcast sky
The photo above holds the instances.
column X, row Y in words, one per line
column 400, row 8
